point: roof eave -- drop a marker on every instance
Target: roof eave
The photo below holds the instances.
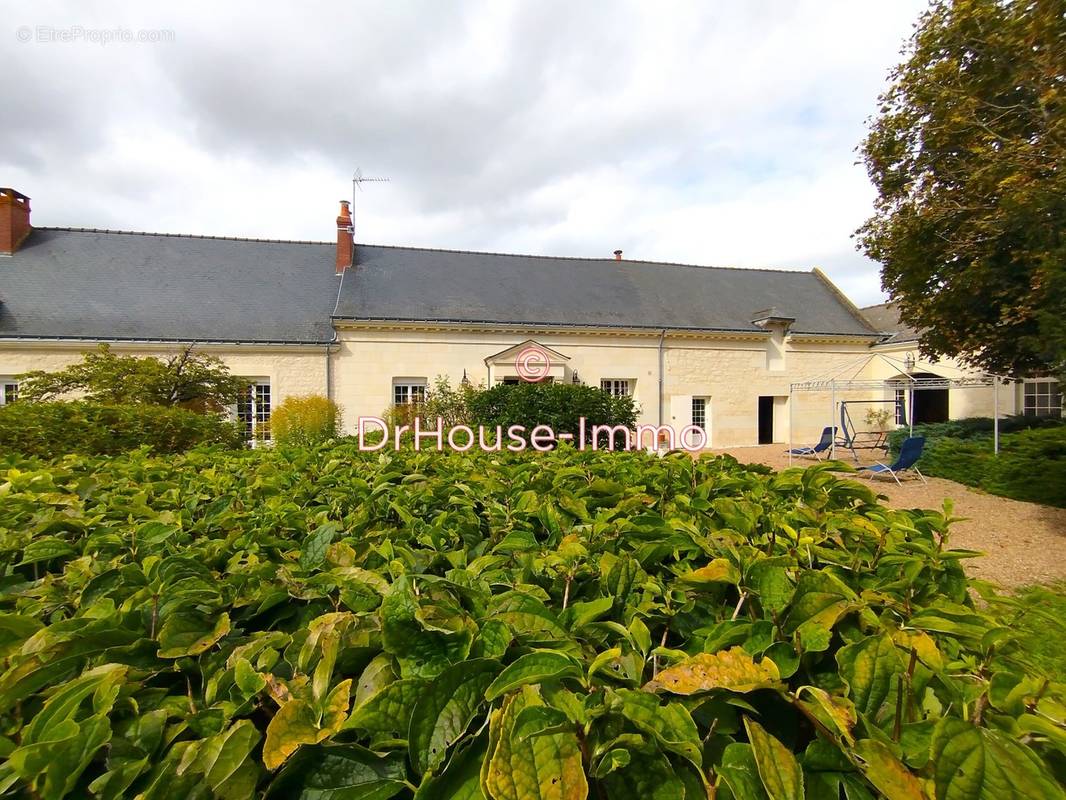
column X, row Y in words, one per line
column 74, row 340
column 342, row 322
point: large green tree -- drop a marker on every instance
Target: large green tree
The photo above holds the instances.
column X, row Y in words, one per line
column 968, row 155
column 189, row 379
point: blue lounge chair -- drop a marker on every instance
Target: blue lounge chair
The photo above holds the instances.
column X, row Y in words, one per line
column 823, row 444
column 909, row 453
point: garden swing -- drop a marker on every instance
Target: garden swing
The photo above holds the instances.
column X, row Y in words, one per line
column 855, row 376
column 856, row 440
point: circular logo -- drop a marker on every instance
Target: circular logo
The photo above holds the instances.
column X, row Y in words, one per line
column 24, row 33
column 532, row 364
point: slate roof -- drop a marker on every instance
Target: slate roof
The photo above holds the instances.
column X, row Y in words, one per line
column 412, row 284
column 66, row 283
column 98, row 285
column 885, row 320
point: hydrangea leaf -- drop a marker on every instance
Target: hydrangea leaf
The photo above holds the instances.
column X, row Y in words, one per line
column 732, row 669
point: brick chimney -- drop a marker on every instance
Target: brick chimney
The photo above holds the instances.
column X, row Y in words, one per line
column 345, row 240
column 14, row 220
column 617, row 255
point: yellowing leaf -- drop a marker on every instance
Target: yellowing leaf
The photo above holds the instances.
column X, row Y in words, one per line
column 296, row 723
column 546, row 767
column 820, row 599
column 869, row 667
column 923, row 645
column 836, row 713
column 733, row 669
column 190, row 634
column 886, row 772
column 718, row 571
column 335, row 707
column 778, row 769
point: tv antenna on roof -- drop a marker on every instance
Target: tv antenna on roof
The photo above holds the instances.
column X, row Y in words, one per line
column 358, row 180
column 357, row 183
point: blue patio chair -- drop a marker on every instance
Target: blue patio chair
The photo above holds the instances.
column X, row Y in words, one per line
column 823, row 444
column 909, row 453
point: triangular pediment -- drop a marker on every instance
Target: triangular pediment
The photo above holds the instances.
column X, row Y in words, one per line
column 511, row 353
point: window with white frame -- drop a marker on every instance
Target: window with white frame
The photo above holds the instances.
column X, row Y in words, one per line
column 1042, row 397
column 617, row 387
column 699, row 413
column 406, row 391
column 253, row 410
column 9, row 391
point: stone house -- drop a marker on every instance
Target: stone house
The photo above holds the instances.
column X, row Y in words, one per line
column 371, row 325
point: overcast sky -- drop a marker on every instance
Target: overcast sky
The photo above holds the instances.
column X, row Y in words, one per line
column 716, row 132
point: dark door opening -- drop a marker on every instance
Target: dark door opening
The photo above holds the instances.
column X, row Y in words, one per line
column 930, row 405
column 766, row 420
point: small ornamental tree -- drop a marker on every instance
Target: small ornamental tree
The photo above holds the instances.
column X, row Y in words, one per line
column 189, row 379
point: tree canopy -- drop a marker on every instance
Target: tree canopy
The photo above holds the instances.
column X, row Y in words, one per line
column 190, row 379
column 967, row 153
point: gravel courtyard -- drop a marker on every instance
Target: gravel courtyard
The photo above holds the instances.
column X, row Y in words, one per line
column 1023, row 543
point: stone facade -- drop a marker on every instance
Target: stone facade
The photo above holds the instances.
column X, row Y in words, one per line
column 730, row 372
column 292, row 370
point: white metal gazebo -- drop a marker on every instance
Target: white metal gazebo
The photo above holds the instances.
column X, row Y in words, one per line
column 851, row 377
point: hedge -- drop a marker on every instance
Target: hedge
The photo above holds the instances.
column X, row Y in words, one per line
column 50, row 430
column 1031, row 464
column 970, row 428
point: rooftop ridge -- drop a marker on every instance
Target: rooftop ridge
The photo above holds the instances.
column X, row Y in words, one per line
column 611, row 259
column 180, row 235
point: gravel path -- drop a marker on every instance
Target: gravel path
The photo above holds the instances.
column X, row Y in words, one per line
column 1023, row 543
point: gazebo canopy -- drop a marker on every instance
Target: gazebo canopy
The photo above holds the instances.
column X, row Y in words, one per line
column 848, row 375
column 911, row 376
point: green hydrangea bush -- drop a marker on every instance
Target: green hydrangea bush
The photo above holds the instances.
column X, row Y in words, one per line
column 323, row 623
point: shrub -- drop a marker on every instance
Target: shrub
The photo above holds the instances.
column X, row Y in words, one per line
column 451, row 405
column 970, row 428
column 305, row 420
column 1031, row 464
column 560, row 406
column 401, row 414
column 322, row 622
column 50, row 430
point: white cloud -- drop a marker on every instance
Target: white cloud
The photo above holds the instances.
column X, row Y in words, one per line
column 718, row 133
